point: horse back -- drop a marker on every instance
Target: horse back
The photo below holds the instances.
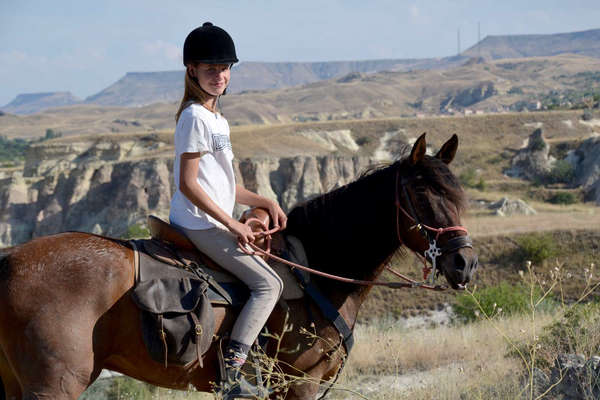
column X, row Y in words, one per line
column 66, row 272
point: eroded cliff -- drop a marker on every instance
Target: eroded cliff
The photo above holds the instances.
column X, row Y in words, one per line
column 107, row 185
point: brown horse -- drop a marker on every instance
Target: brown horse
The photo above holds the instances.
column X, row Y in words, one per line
column 66, row 313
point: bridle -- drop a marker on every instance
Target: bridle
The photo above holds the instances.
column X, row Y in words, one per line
column 431, row 254
column 433, row 251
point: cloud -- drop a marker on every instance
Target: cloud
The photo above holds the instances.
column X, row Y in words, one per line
column 161, row 48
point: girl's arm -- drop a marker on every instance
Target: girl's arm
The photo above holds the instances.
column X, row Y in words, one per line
column 244, row 196
column 189, row 186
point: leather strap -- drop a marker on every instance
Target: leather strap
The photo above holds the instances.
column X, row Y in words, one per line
column 198, row 332
column 457, row 243
column 328, row 311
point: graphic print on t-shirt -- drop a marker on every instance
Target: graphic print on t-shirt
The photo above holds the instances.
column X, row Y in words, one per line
column 220, row 142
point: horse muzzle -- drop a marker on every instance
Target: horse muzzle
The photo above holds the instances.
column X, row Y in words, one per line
column 459, row 266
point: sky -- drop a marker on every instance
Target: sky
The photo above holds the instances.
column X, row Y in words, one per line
column 83, row 46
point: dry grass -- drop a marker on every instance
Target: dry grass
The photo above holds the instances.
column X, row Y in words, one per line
column 566, row 219
column 441, row 363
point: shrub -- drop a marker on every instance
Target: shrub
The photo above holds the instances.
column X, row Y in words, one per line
column 468, row 178
column 137, row 232
column 12, row 149
column 575, row 332
column 504, row 298
column 481, row 185
column 51, row 134
column 561, row 172
column 515, row 90
column 536, row 248
column 537, row 144
column 563, row 198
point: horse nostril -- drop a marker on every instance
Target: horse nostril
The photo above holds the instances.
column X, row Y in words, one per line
column 474, row 264
column 459, row 262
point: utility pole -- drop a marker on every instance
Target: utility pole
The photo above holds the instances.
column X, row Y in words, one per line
column 458, row 41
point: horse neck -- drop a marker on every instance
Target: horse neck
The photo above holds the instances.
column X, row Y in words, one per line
column 351, row 231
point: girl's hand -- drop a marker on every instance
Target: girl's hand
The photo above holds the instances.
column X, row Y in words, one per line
column 242, row 231
column 277, row 215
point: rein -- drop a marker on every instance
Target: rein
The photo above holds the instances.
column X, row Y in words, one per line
column 430, row 254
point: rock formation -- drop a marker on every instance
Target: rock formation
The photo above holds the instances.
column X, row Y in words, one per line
column 506, row 207
column 586, row 160
column 571, row 378
column 533, row 161
column 107, row 186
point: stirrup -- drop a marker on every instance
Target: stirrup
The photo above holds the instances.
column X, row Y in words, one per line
column 233, row 385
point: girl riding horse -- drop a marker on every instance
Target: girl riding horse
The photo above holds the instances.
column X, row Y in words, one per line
column 206, row 192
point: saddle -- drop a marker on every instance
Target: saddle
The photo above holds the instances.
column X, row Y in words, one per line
column 176, row 287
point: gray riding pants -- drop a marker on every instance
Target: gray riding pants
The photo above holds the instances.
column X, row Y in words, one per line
column 264, row 284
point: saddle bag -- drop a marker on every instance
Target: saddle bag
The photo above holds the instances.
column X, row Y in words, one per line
column 177, row 318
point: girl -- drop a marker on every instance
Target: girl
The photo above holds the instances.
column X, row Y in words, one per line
column 203, row 203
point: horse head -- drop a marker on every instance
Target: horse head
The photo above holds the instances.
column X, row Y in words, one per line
column 429, row 201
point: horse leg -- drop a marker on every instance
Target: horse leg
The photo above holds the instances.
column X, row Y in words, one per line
column 308, row 388
column 9, row 385
column 52, row 361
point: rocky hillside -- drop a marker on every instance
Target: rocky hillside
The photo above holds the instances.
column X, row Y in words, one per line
column 108, row 183
column 141, row 88
column 502, row 85
column 496, row 86
column 585, row 43
column 137, row 89
column 30, row 103
column 107, row 186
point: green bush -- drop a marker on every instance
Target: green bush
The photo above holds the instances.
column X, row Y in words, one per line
column 504, row 298
column 537, row 144
column 12, row 149
column 137, row 232
column 471, row 179
column 536, row 248
column 515, row 90
column 563, row 198
column 481, row 185
column 575, row 332
column 468, row 177
column 561, row 172
column 52, row 134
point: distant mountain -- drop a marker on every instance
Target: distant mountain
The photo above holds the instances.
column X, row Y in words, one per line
column 137, row 89
column 261, row 76
column 142, row 88
column 585, row 43
column 29, row 103
column 533, row 83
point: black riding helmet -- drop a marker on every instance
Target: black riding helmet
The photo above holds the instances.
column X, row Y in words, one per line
column 209, row 44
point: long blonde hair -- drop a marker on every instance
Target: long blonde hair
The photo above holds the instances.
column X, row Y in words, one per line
column 193, row 93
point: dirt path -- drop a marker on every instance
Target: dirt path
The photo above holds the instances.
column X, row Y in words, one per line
column 483, row 226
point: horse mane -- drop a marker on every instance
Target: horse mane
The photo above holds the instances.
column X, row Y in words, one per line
column 325, row 223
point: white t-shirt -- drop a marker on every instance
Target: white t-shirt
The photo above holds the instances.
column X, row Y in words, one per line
column 202, row 131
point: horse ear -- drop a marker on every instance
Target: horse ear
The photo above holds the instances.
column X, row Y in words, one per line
column 448, row 150
column 418, row 151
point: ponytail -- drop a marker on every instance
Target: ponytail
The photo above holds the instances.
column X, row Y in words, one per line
column 193, row 93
